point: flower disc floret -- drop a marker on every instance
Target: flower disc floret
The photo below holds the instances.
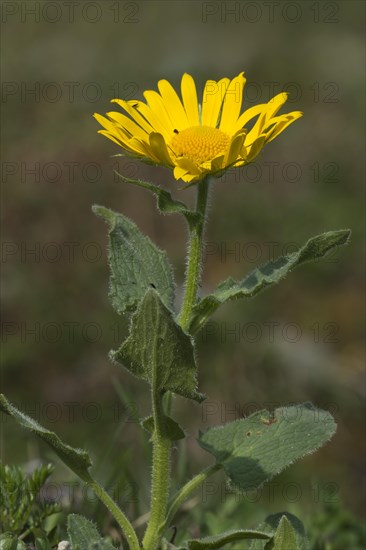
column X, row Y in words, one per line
column 200, row 143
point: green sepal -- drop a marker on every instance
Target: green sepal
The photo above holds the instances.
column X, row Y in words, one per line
column 83, row 534
column 254, row 449
column 158, row 351
column 165, row 202
column 136, row 263
column 218, row 541
column 264, row 276
column 76, row 459
column 287, row 531
column 171, row 428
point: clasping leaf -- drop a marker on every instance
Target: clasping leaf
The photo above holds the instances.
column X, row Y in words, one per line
column 136, row 264
column 172, row 429
column 158, row 351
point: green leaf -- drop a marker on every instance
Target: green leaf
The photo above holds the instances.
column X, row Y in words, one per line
column 285, row 536
column 158, row 351
column 281, row 525
column 267, row 275
column 172, row 429
column 42, row 543
column 11, row 542
column 217, row 541
column 165, row 202
column 84, row 535
column 76, row 459
column 166, row 545
column 136, row 264
column 254, row 449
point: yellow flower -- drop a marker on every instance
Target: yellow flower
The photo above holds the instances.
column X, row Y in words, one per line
column 196, row 140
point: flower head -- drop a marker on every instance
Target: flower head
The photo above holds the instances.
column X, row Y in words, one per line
column 195, row 139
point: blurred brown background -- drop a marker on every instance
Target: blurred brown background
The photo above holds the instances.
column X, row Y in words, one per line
column 62, row 61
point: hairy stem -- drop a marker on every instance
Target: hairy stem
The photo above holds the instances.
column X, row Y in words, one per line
column 185, row 492
column 162, row 405
column 116, row 512
column 193, row 273
column 160, row 475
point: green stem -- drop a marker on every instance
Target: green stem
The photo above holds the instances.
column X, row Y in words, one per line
column 160, row 475
column 161, row 443
column 193, row 273
column 185, row 491
column 116, row 512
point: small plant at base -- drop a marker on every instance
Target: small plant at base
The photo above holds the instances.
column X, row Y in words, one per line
column 199, row 143
column 22, row 512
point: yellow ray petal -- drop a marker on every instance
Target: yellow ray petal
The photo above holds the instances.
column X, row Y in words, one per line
column 232, row 103
column 283, row 123
column 255, row 148
column 110, row 136
column 157, row 106
column 106, row 123
column 190, row 178
column 127, row 125
column 123, row 141
column 188, row 164
column 274, row 105
column 139, row 147
column 235, row 148
column 173, row 105
column 179, row 172
column 217, row 163
column 151, row 117
column 112, row 128
column 269, row 110
column 213, row 96
column 190, row 101
column 248, row 115
column 159, row 148
column 128, row 107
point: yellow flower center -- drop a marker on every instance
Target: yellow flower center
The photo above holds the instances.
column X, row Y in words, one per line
column 200, row 143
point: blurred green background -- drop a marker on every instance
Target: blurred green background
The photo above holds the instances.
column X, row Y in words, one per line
column 300, row 341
